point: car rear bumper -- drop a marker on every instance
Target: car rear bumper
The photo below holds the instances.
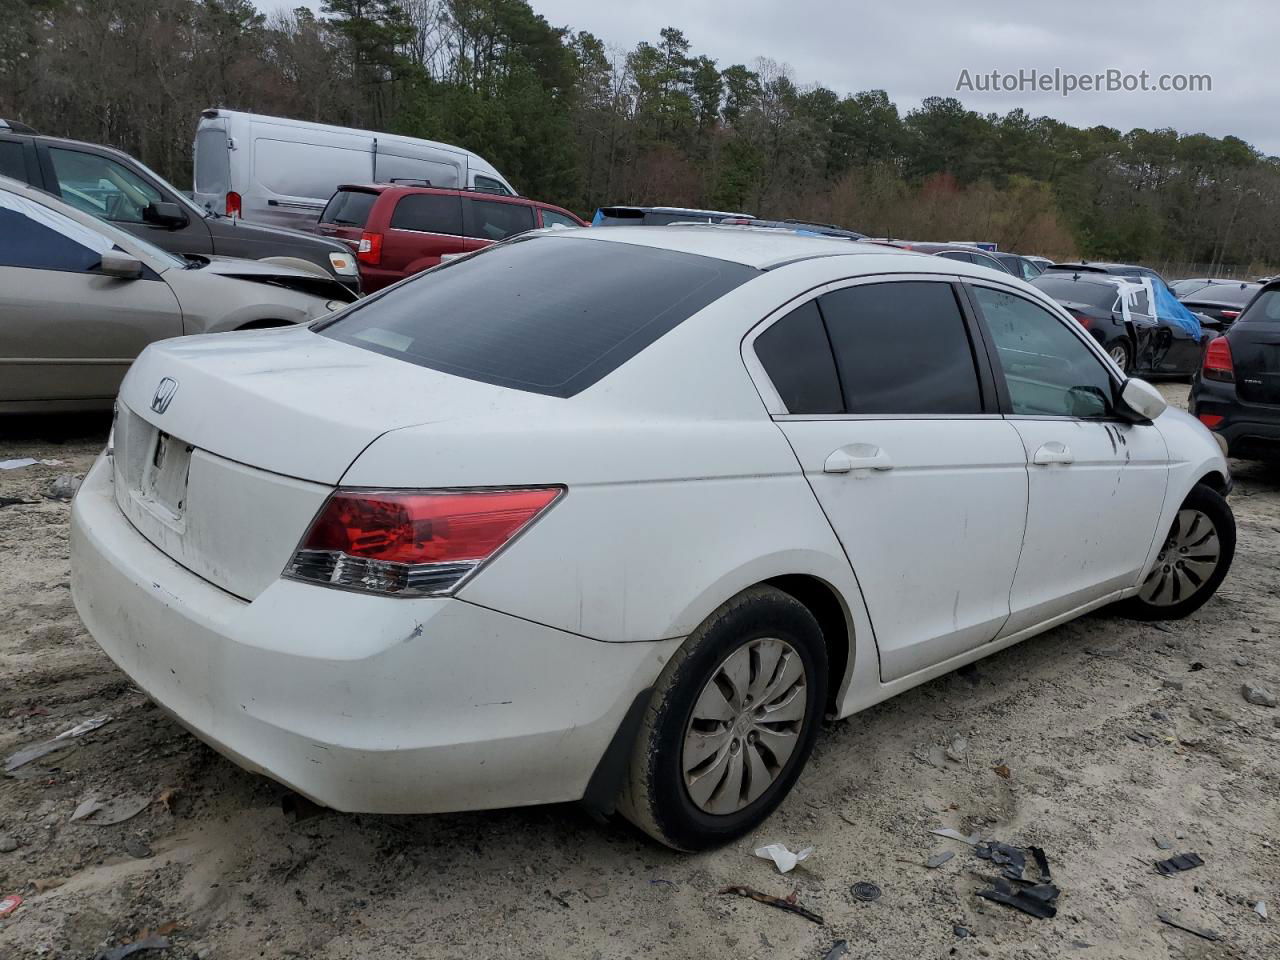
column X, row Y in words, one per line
column 1251, row 430
column 359, row 703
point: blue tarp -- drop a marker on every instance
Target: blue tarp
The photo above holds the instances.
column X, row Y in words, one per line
column 1171, row 310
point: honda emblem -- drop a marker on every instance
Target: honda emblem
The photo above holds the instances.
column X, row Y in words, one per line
column 164, row 395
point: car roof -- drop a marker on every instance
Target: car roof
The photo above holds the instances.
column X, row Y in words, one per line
column 675, row 210
column 761, row 247
column 449, row 191
column 1096, row 279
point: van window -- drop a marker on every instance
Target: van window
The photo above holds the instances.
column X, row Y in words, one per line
column 294, row 169
column 508, row 316
column 349, row 208
column 429, row 213
column 433, row 173
column 495, row 220
column 213, row 162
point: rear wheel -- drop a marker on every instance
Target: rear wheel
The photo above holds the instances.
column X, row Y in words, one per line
column 1119, row 352
column 1192, row 562
column 732, row 722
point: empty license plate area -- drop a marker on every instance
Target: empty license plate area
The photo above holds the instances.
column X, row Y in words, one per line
column 164, row 482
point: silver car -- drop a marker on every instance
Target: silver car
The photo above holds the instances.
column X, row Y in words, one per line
column 80, row 299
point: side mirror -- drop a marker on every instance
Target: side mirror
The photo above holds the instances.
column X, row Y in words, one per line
column 1142, row 399
column 164, row 214
column 120, row 265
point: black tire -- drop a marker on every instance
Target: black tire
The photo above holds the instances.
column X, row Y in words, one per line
column 1122, row 354
column 1214, row 507
column 655, row 797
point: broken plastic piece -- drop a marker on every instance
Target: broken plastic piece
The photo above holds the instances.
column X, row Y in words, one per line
column 9, row 904
column 773, row 901
column 1260, row 908
column 37, row 750
column 838, row 949
column 953, row 834
column 1012, row 859
column 938, row 859
column 783, row 858
column 129, row 949
column 1178, row 863
column 1198, row 931
column 1162, row 843
column 1037, row 900
column 1042, row 863
column 865, row 891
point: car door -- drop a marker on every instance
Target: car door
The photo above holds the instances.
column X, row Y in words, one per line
column 896, row 427
column 494, row 220
column 17, row 159
column 423, row 228
column 67, row 332
column 103, row 187
column 1096, row 481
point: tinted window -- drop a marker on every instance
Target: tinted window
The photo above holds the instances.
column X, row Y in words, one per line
column 796, row 354
column 493, row 220
column 429, row 212
column 1232, row 293
column 102, row 187
column 902, row 349
column 490, row 185
column 12, row 163
column 37, row 238
column 1265, row 309
column 1100, row 295
column 349, row 208
column 1048, row 369
column 549, row 314
column 552, row 219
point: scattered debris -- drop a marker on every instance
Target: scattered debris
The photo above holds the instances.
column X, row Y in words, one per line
column 957, row 750
column 166, row 797
column 1178, row 863
column 21, row 462
column 38, row 750
column 1162, row 842
column 9, row 904
column 783, row 858
column 1037, row 900
column 15, row 501
column 137, row 849
column 1042, row 862
column 558, row 899
column 1142, row 737
column 1162, row 627
column 64, row 486
column 112, row 812
column 961, row 932
column 865, row 891
column 953, row 834
column 1001, row 770
column 86, row 807
column 1258, row 695
column 1171, row 684
column 300, row 808
column 8, row 844
column 938, row 859
column 838, row 949
column 1012, row 859
column 1199, row 932
column 1260, row 908
column 789, row 904
column 1241, row 662
column 152, row 942
column 1196, row 666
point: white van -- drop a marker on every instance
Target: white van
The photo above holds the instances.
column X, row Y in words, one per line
column 279, row 171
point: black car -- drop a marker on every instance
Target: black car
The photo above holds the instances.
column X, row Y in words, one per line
column 797, row 226
column 658, row 216
column 958, row 251
column 1130, row 270
column 1145, row 344
column 1237, row 391
column 1019, row 266
column 1220, row 304
column 114, row 186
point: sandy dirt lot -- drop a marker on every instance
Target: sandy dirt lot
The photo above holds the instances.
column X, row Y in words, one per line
column 1112, row 733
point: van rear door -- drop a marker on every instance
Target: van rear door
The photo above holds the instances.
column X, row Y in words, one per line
column 212, row 166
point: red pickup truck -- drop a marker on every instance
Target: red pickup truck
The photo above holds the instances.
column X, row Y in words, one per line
column 399, row 229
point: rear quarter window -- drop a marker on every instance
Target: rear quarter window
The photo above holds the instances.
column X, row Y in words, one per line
column 349, row 208
column 429, row 213
column 546, row 314
column 495, row 220
column 1265, row 309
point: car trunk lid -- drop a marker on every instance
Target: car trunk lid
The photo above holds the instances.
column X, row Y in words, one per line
column 1255, row 355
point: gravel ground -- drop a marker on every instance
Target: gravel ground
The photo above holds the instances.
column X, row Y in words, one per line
column 1112, row 733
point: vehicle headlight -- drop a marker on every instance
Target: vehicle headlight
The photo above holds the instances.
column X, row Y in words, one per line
column 344, row 264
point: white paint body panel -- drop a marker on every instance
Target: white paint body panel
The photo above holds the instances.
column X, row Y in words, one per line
column 682, row 491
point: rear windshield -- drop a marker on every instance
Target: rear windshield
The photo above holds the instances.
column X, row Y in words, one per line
column 1232, row 293
column 548, row 314
column 1100, row 295
column 349, row 208
column 1266, row 309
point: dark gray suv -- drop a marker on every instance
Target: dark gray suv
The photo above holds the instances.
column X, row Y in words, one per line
column 114, row 186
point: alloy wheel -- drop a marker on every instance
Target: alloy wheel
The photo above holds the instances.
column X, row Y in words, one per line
column 1120, row 355
column 1187, row 559
column 744, row 726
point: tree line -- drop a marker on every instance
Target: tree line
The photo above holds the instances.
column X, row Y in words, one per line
column 574, row 122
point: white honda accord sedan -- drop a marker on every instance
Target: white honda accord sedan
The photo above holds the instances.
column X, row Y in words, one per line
column 620, row 515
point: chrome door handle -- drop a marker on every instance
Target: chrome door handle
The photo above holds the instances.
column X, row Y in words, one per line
column 1053, row 452
column 857, row 456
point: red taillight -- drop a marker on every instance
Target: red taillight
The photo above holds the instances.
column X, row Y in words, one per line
column 233, row 204
column 1083, row 319
column 370, row 248
column 414, row 544
column 1217, row 361
column 1229, row 314
column 1210, row 420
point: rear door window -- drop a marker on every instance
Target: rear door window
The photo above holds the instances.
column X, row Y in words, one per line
column 551, row 218
column 549, row 314
column 796, row 354
column 902, row 349
column 349, row 208
column 495, row 220
column 429, row 213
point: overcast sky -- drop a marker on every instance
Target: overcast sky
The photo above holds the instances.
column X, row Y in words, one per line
column 918, row 48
